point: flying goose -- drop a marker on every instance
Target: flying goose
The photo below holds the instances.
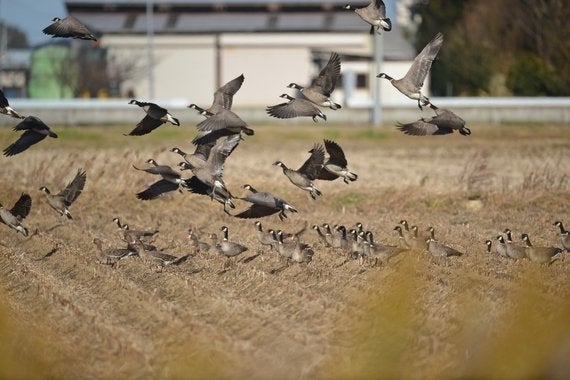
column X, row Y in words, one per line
column 68, row 27
column 335, row 166
column 295, row 107
column 373, row 14
column 445, row 122
column 13, row 217
column 541, row 255
column 200, row 155
column 264, row 204
column 171, row 181
column 564, row 235
column 62, row 200
column 154, row 118
column 514, row 251
column 304, row 176
column 411, row 84
column 5, row 107
column 210, row 173
column 35, row 131
column 223, row 98
column 319, row 92
column 223, row 123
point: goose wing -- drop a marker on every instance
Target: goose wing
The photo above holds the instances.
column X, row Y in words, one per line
column 74, row 188
column 22, row 207
column 223, row 119
column 291, row 109
column 327, row 78
column 146, row 125
column 422, row 128
column 422, row 63
column 223, row 97
column 314, row 164
column 27, row 139
column 157, row 189
column 257, row 211
column 336, row 154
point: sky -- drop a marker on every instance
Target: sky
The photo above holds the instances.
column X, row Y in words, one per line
column 31, row 16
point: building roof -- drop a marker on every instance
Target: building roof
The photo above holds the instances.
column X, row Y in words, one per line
column 231, row 16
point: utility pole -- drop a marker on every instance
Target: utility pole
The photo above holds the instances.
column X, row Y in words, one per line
column 150, row 46
column 376, row 111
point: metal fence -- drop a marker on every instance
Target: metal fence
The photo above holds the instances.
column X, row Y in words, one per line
column 78, row 112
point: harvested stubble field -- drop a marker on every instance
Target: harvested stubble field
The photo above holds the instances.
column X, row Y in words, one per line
column 65, row 316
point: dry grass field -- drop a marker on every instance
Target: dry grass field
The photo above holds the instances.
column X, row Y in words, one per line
column 65, row 316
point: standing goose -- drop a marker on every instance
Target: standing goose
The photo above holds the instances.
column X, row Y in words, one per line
column 304, row 176
column 35, row 131
column 319, row 92
column 322, row 236
column 401, row 239
column 111, row 256
column 501, row 246
column 439, row 249
column 200, row 246
column 160, row 258
column 264, row 238
column 564, row 235
column 411, row 84
column 541, row 255
column 223, row 98
column 154, row 118
column 373, row 14
column 62, row 200
column 264, row 204
column 294, row 250
column 171, row 181
column 13, row 217
column 5, row 107
column 335, row 166
column 514, row 251
column 295, row 107
column 129, row 236
column 68, row 27
column 229, row 248
column 445, row 122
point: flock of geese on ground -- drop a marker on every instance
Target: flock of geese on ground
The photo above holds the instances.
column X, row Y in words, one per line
column 218, row 136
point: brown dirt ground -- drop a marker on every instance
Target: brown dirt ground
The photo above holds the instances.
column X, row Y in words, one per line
column 63, row 315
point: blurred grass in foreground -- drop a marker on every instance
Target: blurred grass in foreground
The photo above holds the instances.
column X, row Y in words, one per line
column 528, row 336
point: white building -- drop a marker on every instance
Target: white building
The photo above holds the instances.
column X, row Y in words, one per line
column 199, row 45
